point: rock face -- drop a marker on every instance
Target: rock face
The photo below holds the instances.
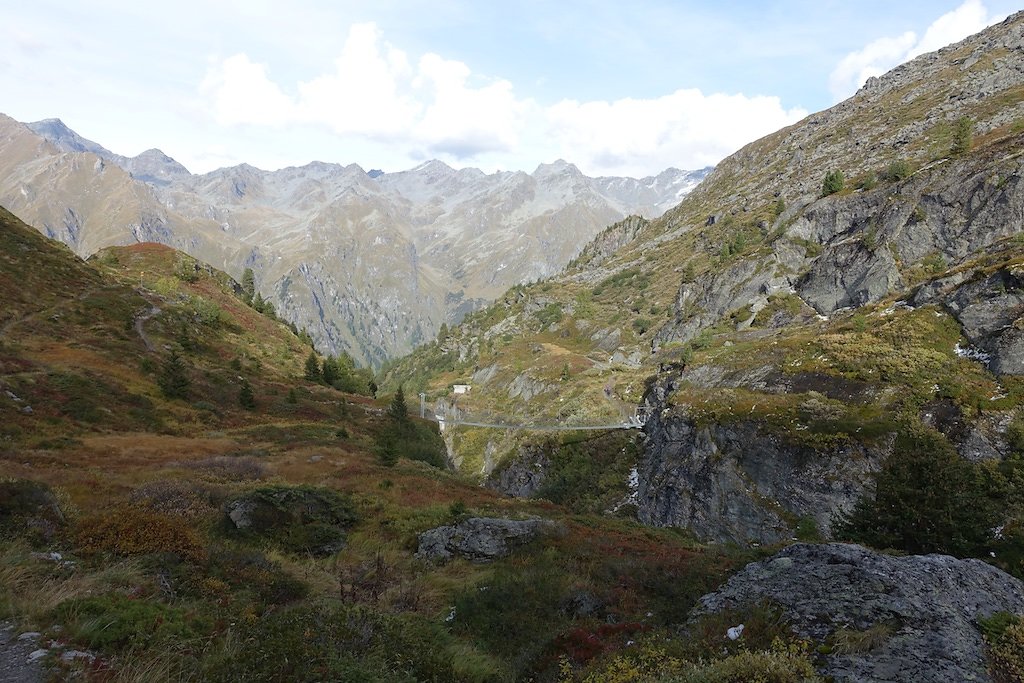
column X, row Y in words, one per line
column 480, row 539
column 736, row 482
column 523, row 475
column 929, row 606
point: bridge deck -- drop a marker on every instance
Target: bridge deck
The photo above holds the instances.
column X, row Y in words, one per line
column 542, row 428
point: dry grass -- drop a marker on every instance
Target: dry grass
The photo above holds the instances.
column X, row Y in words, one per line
column 32, row 588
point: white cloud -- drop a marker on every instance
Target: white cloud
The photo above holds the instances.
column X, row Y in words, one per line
column 882, row 54
column 368, row 92
column 242, row 93
column 461, row 120
column 374, row 93
column 439, row 107
column 685, row 129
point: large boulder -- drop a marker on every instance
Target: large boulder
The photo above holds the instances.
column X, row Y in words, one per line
column 923, row 611
column 480, row 539
column 299, row 519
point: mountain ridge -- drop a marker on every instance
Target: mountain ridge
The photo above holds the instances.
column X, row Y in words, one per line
column 448, row 240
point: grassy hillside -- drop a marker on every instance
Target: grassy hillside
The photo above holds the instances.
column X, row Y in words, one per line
column 116, row 537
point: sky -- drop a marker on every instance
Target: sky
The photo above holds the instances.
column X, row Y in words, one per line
column 618, row 88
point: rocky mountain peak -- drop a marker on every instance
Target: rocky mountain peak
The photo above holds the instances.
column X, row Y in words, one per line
column 559, row 166
column 67, row 140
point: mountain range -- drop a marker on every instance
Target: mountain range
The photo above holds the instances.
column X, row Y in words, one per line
column 776, row 433
column 369, row 264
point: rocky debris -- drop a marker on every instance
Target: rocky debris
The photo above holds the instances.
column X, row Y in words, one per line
column 583, row 604
column 613, row 238
column 607, row 339
column 19, row 662
column 523, row 475
column 737, row 482
column 480, row 539
column 485, row 375
column 923, row 609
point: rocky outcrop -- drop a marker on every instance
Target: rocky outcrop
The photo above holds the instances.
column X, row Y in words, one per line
column 919, row 614
column 299, row 519
column 990, row 311
column 740, row 482
column 480, row 539
column 523, row 475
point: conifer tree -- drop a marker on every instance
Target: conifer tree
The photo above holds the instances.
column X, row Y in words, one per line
column 248, row 284
column 398, row 410
column 330, row 371
column 313, row 372
column 246, row 397
column 173, row 380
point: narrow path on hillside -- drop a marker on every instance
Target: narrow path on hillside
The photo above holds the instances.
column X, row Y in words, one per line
column 15, row 666
column 140, row 321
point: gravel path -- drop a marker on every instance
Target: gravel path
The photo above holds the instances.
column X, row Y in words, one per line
column 14, row 654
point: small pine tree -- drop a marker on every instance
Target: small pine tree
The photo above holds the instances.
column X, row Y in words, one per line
column 248, row 284
column 313, row 372
column 173, row 380
column 398, row 410
column 330, row 372
column 442, row 334
column 246, row 397
column 293, row 397
column 833, row 182
column 778, row 207
column 963, row 136
column 387, row 450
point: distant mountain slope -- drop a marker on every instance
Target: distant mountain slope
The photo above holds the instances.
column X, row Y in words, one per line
column 371, row 264
column 780, row 335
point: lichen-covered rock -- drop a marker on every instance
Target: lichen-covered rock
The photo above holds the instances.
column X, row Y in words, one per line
column 480, row 539
column 925, row 608
column 300, row 519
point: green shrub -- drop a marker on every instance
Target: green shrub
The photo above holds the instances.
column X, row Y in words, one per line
column 328, row 642
column 897, row 170
column 113, row 623
column 832, row 183
column 1004, row 634
column 518, row 614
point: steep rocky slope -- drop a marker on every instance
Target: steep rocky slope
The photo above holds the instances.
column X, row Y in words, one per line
column 781, row 337
column 369, row 265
